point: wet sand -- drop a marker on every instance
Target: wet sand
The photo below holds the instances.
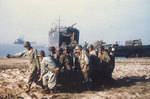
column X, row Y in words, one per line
column 132, row 81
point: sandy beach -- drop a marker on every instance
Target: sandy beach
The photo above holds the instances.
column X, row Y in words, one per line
column 132, row 81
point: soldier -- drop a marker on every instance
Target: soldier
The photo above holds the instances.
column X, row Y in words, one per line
column 104, row 60
column 68, row 64
column 54, row 55
column 111, row 63
column 65, row 58
column 63, row 45
column 58, row 57
column 84, row 62
column 61, row 57
column 116, row 44
column 48, row 72
column 95, row 64
column 91, row 50
column 65, row 64
column 59, row 51
column 93, row 56
column 34, row 64
column 68, row 59
column 103, row 55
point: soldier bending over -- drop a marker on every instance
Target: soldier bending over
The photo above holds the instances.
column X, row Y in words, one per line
column 48, row 72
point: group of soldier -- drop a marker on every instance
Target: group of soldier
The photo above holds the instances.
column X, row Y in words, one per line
column 83, row 66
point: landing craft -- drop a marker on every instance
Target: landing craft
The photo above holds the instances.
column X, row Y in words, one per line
column 132, row 48
column 61, row 36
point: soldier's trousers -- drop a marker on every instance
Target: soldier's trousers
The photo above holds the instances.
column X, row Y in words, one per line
column 86, row 76
column 87, row 79
column 32, row 76
column 49, row 80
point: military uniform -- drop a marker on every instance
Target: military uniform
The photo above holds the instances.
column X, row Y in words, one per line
column 96, row 67
column 33, row 62
column 68, row 61
column 104, row 61
column 61, row 60
column 111, row 63
column 104, row 57
column 84, row 63
column 55, row 57
column 93, row 52
column 93, row 58
column 48, row 72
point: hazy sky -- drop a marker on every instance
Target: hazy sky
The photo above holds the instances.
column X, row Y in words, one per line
column 108, row 20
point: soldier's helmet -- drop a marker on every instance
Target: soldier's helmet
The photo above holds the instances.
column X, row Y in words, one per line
column 27, row 44
column 41, row 53
column 66, row 48
column 52, row 48
column 90, row 46
column 60, row 50
column 101, row 48
column 109, row 48
column 78, row 47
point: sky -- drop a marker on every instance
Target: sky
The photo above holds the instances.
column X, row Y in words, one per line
column 107, row 20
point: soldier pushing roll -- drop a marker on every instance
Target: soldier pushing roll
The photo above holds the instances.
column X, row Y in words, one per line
column 85, row 65
column 48, row 72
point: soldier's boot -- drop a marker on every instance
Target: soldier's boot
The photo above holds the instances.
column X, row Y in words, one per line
column 46, row 90
column 51, row 91
column 88, row 85
column 110, row 77
column 28, row 88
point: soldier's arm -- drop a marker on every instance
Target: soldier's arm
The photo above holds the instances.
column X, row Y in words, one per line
column 36, row 59
column 107, row 57
column 17, row 55
column 95, row 53
column 43, row 65
column 66, row 60
column 61, row 61
column 87, row 63
column 52, row 62
column 53, row 68
column 86, row 59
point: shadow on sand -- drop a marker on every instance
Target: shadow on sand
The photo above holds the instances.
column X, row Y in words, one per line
column 120, row 82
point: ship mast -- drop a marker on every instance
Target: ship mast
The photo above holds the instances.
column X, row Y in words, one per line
column 59, row 23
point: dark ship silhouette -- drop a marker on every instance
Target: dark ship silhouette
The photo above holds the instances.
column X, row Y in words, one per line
column 132, row 48
column 19, row 41
column 62, row 36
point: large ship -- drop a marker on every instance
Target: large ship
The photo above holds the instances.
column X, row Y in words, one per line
column 61, row 36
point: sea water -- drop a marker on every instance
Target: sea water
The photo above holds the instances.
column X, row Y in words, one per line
column 15, row 48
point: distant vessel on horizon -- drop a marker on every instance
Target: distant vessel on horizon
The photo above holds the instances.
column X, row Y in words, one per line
column 21, row 41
